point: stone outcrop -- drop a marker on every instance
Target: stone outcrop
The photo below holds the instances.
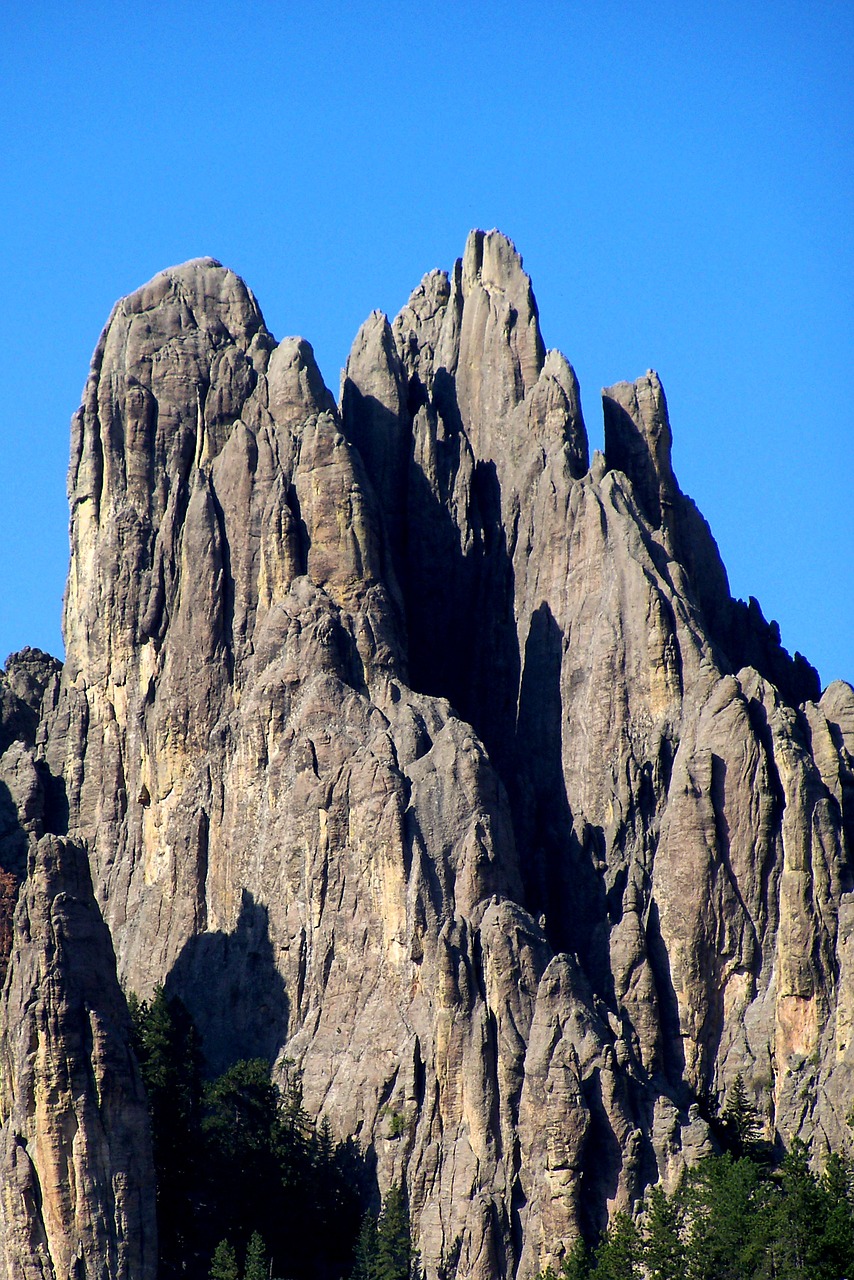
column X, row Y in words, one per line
column 28, row 685
column 413, row 747
column 76, row 1186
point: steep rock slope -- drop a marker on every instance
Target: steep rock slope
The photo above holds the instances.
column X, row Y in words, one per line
column 412, row 747
column 76, row 1172
column 681, row 817
column 316, row 858
column 28, row 686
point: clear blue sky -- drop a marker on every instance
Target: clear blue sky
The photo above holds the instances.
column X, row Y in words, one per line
column 679, row 178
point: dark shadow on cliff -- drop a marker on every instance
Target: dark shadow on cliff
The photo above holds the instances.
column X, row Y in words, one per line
column 845, row 803
column 672, row 1052
column 13, row 867
column 739, row 631
column 56, row 809
column 458, row 588
column 561, row 880
column 45, row 810
column 13, row 837
column 458, row 592
column 601, row 1163
column 233, row 991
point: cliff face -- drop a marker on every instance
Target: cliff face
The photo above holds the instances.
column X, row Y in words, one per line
column 76, row 1173
column 408, row 745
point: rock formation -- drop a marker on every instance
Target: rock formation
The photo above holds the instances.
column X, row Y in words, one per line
column 76, row 1187
column 410, row 746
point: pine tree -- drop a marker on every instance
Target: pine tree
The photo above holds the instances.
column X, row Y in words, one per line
column 167, row 1047
column 256, row 1259
column 577, row 1264
column 800, row 1221
column 663, row 1250
column 618, row 1256
column 243, row 1173
column 741, row 1128
column 224, row 1263
column 729, row 1210
column 837, row 1238
column 343, row 1204
column 394, row 1244
column 365, row 1252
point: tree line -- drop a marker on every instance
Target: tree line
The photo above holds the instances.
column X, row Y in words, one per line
column 740, row 1214
column 249, row 1187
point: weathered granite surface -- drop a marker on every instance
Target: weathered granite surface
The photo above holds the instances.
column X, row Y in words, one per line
column 409, row 745
column 76, row 1173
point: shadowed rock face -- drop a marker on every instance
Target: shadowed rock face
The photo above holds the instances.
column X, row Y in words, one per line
column 77, row 1175
column 442, row 757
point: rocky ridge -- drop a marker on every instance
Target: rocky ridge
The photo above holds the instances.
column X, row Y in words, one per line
column 411, row 746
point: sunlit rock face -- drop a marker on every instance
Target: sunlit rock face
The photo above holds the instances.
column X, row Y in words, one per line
column 414, row 749
column 76, row 1172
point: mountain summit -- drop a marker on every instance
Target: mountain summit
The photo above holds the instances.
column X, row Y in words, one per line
column 416, row 750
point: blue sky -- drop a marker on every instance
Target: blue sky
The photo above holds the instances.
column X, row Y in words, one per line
column 678, row 177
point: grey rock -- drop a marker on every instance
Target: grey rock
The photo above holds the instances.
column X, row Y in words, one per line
column 77, row 1184
column 417, row 753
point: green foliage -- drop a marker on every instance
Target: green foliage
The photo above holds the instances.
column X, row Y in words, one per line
column 619, row 1254
column 740, row 1121
column 734, row 1218
column 167, row 1049
column 814, row 1225
column 728, row 1204
column 238, row 1161
column 663, row 1248
column 576, row 1265
column 798, row 1221
column 394, row 1242
column 837, row 1242
column 256, row 1259
column 397, row 1128
column 384, row 1250
column 224, row 1263
column 365, row 1252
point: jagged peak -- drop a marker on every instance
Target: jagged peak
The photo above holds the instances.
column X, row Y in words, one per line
column 294, row 382
column 638, row 440
column 492, row 258
column 429, row 296
column 376, row 325
column 264, row 654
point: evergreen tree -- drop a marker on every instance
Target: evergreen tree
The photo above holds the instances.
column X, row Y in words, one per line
column 271, row 1171
column 345, row 1184
column 256, row 1259
column 577, row 1263
column 618, row 1256
column 733, row 1219
column 394, row 1244
column 224, row 1263
column 239, row 1129
column 365, row 1252
column 800, row 1220
column 741, row 1127
column 663, row 1249
column 729, row 1208
column 837, row 1237
column 239, row 1158
column 167, row 1048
